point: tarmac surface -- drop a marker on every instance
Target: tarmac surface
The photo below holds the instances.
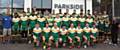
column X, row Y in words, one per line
column 30, row 47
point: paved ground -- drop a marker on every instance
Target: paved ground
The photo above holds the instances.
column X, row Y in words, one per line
column 30, row 47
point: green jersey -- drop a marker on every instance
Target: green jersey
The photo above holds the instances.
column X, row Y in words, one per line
column 46, row 33
column 41, row 22
column 94, row 31
column 55, row 33
column 79, row 32
column 82, row 22
column 32, row 21
column 63, row 34
column 36, row 33
column 74, row 21
column 24, row 23
column 90, row 22
column 50, row 21
column 65, row 22
column 15, row 23
column 87, row 32
column 58, row 21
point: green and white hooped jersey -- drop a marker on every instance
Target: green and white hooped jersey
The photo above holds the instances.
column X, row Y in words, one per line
column 46, row 30
column 37, row 30
column 32, row 17
column 55, row 30
column 57, row 19
column 15, row 20
column 81, row 19
column 94, row 30
column 89, row 20
column 24, row 18
column 79, row 30
column 63, row 32
column 72, row 30
column 65, row 19
column 41, row 19
column 50, row 21
column 73, row 19
column 87, row 29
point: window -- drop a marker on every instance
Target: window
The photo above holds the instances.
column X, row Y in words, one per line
column 36, row 3
column 5, row 3
column 18, row 3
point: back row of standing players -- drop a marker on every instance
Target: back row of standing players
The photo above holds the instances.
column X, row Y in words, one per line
column 77, row 28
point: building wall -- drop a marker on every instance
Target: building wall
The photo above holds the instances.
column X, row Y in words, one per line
column 117, row 8
column 18, row 4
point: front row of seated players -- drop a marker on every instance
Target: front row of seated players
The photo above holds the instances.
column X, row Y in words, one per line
column 62, row 37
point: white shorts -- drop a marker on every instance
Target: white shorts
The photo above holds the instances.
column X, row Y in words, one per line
column 6, row 31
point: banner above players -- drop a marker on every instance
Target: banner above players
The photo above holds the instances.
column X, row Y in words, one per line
column 71, row 5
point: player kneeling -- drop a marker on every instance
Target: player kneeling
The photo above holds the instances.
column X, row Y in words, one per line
column 93, row 35
column 37, row 35
column 63, row 36
column 71, row 35
column 55, row 35
column 46, row 36
column 86, row 36
column 79, row 36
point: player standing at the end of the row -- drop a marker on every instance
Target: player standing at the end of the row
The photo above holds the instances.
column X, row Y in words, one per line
column 7, row 23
